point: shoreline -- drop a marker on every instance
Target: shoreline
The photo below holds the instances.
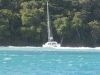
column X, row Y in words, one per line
column 50, row 49
column 40, row 45
column 20, row 43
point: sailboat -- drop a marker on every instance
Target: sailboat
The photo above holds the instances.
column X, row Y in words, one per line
column 50, row 42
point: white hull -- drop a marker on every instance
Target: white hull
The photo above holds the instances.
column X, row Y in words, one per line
column 51, row 44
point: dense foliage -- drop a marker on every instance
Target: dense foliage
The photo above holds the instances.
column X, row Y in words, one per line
column 74, row 22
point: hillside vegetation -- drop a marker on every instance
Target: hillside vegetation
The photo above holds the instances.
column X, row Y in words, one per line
column 74, row 22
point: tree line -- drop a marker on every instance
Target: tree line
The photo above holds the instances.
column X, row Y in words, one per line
column 74, row 22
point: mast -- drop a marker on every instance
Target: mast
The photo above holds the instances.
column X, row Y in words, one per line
column 50, row 37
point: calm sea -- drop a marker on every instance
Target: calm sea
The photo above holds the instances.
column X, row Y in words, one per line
column 49, row 61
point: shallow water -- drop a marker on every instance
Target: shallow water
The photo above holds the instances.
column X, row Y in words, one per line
column 49, row 61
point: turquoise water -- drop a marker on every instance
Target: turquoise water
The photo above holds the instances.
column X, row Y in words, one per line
column 49, row 61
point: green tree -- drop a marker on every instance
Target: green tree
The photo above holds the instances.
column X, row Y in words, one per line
column 33, row 15
column 27, row 32
column 62, row 27
column 4, row 21
column 95, row 30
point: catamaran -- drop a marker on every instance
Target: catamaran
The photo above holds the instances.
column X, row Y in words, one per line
column 50, row 42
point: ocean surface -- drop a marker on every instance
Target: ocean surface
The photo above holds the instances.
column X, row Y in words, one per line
column 49, row 61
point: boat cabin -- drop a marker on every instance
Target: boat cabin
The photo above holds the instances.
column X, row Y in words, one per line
column 53, row 43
